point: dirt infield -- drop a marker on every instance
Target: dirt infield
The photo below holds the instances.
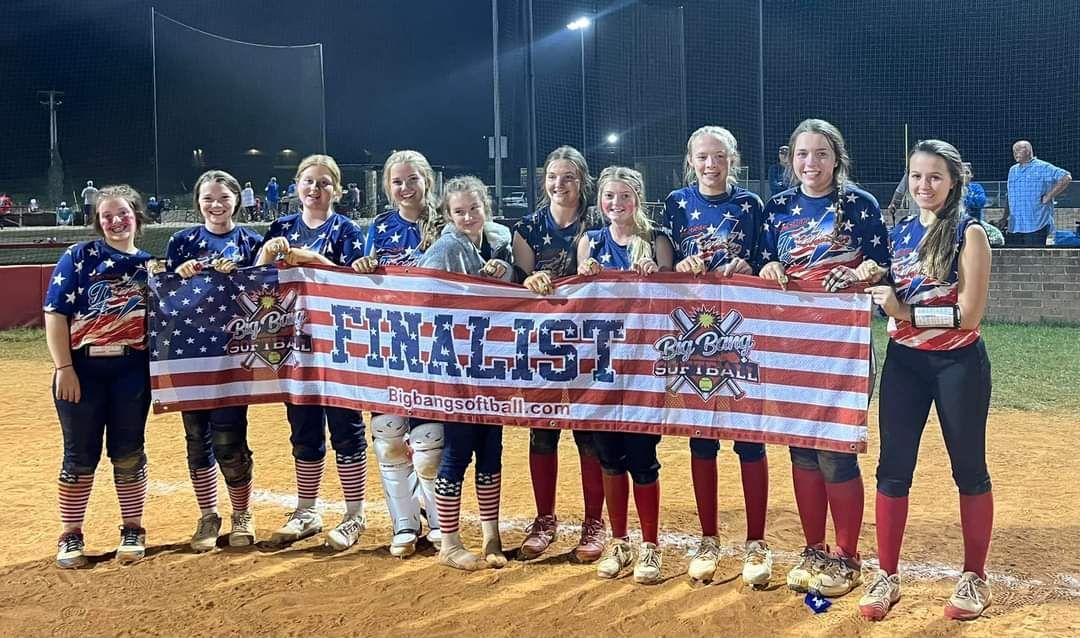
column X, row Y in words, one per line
column 307, row 591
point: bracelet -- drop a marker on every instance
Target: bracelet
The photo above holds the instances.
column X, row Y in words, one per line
column 935, row 316
column 70, row 365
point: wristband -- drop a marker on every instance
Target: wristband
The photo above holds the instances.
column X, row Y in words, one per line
column 70, row 365
column 935, row 316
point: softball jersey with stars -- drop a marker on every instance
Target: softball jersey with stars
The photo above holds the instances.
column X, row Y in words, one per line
column 801, row 232
column 238, row 245
column 717, row 229
column 103, row 292
column 394, row 240
column 338, row 238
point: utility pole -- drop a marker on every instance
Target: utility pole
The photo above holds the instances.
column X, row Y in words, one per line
column 51, row 99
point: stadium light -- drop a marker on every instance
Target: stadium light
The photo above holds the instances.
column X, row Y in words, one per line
column 580, row 25
column 253, row 151
column 612, row 139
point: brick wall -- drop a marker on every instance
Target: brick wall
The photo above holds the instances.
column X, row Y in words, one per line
column 1029, row 285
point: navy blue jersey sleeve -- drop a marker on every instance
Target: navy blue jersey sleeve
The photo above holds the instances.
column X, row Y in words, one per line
column 351, row 242
column 768, row 232
column 369, row 243
column 675, row 220
column 875, row 236
column 60, row 295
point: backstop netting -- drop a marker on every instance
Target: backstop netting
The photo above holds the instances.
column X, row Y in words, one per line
column 254, row 110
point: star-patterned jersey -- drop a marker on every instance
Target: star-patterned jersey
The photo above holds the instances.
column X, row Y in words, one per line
column 915, row 287
column 103, row 292
column 238, row 245
column 338, row 238
column 394, row 240
column 717, row 229
column 612, row 255
column 801, row 232
column 553, row 247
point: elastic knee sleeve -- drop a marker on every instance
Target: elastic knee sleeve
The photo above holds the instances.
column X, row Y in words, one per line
column 130, row 467
column 426, row 441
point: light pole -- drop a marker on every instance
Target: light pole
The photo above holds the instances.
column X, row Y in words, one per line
column 580, row 25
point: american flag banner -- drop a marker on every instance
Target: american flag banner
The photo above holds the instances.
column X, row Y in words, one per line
column 712, row 357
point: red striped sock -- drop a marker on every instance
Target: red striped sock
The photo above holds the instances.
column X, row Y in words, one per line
column 353, row 476
column 308, row 478
column 592, row 486
column 488, row 491
column 204, row 481
column 240, row 496
column 755, row 487
column 74, row 492
column 703, row 473
column 131, row 492
column 812, row 503
column 448, row 502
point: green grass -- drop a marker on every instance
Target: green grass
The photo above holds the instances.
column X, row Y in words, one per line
column 1035, row 367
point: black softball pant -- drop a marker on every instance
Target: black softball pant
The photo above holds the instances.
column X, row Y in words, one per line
column 957, row 382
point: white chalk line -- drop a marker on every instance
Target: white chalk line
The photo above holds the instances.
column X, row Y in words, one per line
column 1066, row 584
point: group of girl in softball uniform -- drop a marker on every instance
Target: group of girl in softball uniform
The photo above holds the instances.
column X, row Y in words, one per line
column 929, row 276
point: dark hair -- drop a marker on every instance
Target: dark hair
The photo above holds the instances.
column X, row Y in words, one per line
column 221, row 177
column 938, row 248
column 129, row 195
column 842, row 171
column 574, row 156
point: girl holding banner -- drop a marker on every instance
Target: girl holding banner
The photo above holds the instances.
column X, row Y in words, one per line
column 828, row 230
column 628, row 242
column 319, row 235
column 940, row 278
column 399, row 237
column 545, row 248
column 217, row 436
column 470, row 246
column 714, row 224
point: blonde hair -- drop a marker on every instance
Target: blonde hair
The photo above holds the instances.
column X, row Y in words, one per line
column 429, row 222
column 220, row 177
column 641, row 245
column 465, row 184
column 730, row 145
column 124, row 193
column 326, row 162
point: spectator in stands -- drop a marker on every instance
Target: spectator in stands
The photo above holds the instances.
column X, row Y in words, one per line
column 354, row 199
column 273, row 196
column 64, row 215
column 778, row 172
column 153, row 209
column 5, row 209
column 1029, row 206
column 292, row 201
column 89, row 196
column 34, row 205
column 975, row 201
column 247, row 200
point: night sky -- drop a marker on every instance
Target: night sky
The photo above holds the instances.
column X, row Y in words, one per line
column 979, row 73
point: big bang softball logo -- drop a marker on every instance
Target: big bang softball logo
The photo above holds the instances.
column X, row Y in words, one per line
column 270, row 331
column 707, row 354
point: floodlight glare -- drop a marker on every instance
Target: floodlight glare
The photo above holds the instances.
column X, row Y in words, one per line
column 580, row 23
column 612, row 138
